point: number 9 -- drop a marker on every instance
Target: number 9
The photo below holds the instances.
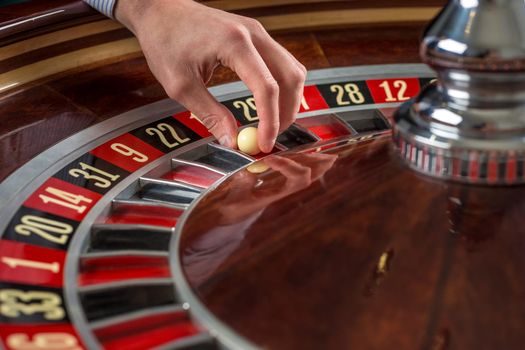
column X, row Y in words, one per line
column 43, row 341
column 128, row 151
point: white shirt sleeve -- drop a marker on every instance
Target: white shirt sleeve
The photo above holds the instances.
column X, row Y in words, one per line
column 103, row 6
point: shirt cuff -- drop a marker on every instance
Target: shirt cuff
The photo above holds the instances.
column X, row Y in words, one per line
column 103, row 6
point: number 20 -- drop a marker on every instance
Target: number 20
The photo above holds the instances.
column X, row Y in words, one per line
column 50, row 230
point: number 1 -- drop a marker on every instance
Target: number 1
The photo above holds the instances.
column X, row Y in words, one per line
column 14, row 263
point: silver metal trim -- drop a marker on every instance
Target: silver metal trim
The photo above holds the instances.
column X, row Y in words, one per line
column 125, row 227
column 154, row 311
column 176, row 161
column 306, row 131
column 149, row 282
column 158, row 201
column 346, row 125
column 139, row 202
column 170, row 183
column 232, row 151
column 123, row 253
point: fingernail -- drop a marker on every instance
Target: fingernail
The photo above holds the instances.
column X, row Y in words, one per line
column 268, row 147
column 226, row 141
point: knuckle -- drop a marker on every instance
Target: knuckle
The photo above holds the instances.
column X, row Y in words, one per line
column 270, row 87
column 238, row 33
column 302, row 68
column 175, row 90
column 297, row 77
column 255, row 26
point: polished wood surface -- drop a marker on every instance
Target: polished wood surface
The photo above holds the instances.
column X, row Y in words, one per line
column 370, row 255
column 25, row 19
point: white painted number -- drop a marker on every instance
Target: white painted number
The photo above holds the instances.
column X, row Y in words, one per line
column 128, row 152
column 352, row 91
column 14, row 263
column 248, row 107
column 193, row 116
column 304, row 104
column 51, row 230
column 161, row 130
column 103, row 181
column 65, row 199
column 15, row 302
column 401, row 87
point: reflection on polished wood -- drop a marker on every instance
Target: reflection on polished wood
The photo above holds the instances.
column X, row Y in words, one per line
column 371, row 256
column 313, row 20
column 57, row 37
column 67, row 61
column 232, row 5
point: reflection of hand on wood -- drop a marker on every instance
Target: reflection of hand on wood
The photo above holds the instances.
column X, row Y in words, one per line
column 249, row 193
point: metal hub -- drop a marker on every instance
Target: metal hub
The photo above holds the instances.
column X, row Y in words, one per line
column 469, row 125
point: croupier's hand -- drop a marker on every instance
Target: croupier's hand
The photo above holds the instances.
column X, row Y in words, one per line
column 184, row 42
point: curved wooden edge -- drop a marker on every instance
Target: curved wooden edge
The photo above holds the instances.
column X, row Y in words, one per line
column 114, row 49
column 315, row 20
column 57, row 37
column 30, row 20
column 234, row 5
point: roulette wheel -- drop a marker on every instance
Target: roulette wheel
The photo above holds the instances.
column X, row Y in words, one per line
column 389, row 215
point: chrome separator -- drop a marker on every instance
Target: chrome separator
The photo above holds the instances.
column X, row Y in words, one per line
column 154, row 311
column 132, row 203
column 177, row 162
column 167, row 191
column 129, row 237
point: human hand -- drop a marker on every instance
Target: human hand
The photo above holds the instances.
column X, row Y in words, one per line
column 184, row 42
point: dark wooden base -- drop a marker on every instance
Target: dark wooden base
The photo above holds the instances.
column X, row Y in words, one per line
column 370, row 256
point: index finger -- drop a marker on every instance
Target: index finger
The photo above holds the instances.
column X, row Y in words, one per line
column 252, row 69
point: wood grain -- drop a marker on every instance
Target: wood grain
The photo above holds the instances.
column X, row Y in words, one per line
column 310, row 266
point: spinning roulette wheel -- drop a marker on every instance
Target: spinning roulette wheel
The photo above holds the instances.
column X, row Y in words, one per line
column 376, row 222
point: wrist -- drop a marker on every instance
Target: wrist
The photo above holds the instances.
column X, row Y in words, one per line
column 131, row 13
